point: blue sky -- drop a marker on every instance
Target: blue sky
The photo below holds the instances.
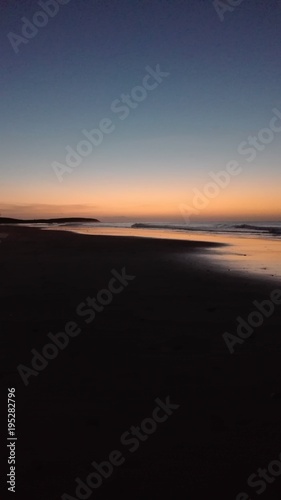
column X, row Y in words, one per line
column 224, row 81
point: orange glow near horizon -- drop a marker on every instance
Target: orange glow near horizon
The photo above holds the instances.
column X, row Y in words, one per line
column 148, row 201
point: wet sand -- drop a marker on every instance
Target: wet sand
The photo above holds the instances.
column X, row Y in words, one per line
column 162, row 336
column 250, row 254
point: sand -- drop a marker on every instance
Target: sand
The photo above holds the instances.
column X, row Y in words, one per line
column 161, row 336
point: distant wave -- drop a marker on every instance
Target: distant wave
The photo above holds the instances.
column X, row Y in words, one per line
column 176, row 227
column 262, row 229
column 274, row 230
column 142, row 225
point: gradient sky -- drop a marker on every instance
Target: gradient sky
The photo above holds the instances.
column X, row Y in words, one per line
column 224, row 81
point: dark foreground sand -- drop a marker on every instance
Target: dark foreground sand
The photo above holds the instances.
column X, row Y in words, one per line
column 162, row 336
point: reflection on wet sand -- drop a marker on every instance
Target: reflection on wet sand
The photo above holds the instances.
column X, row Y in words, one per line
column 241, row 253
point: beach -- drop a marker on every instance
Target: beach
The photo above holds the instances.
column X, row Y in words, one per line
column 161, row 336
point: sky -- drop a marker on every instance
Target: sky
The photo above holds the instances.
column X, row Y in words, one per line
column 199, row 81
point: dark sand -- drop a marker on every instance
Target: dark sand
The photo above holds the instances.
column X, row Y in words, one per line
column 162, row 336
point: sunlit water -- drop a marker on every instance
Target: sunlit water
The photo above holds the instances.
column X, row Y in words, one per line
column 250, row 248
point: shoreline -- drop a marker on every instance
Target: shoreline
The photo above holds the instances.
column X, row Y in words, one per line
column 253, row 255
